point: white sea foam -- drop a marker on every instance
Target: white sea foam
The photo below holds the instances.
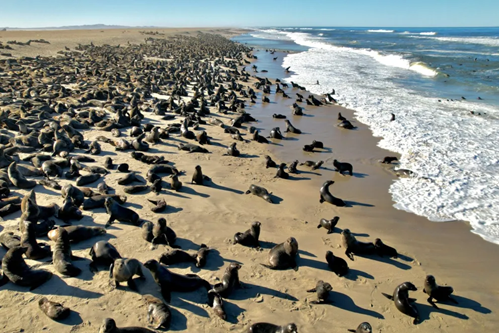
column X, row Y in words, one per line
column 270, row 34
column 431, row 33
column 454, row 155
column 490, row 41
column 381, row 30
column 321, row 34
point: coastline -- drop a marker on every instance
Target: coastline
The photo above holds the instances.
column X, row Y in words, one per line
column 212, row 214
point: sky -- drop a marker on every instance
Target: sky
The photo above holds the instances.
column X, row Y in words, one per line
column 250, row 13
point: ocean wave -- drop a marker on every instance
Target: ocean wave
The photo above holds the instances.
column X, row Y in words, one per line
column 490, row 41
column 272, row 34
column 326, row 29
column 392, row 60
column 321, row 34
column 381, row 30
column 428, row 33
column 453, row 154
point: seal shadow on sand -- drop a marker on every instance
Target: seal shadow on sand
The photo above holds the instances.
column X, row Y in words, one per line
column 179, row 320
column 73, row 319
column 344, row 302
column 233, row 311
column 386, row 260
column 56, row 286
column 466, row 303
column 354, row 274
column 181, row 303
column 223, row 188
column 349, row 203
column 425, row 310
column 252, row 290
column 190, row 190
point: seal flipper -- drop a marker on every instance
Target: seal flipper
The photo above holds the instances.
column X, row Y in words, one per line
column 312, row 290
column 430, row 300
column 390, row 297
column 111, row 272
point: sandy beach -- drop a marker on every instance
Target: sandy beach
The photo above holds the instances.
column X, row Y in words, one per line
column 212, row 214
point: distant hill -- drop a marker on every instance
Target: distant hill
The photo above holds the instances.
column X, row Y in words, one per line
column 78, row 27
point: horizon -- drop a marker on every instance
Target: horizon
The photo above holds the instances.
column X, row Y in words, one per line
column 31, row 14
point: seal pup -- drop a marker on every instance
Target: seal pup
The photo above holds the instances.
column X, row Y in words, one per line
column 403, row 302
column 312, row 164
column 158, row 313
column 346, row 125
column 292, row 167
column 28, row 241
column 18, row 179
column 230, row 281
column 434, row 291
column 216, row 302
column 291, row 128
column 250, row 236
column 128, row 179
column 318, row 144
column 275, row 133
column 342, row 167
column 87, row 179
column 353, row 246
column 198, row 177
column 123, row 270
column 271, row 328
column 260, row 192
column 175, row 184
column 329, row 225
column 176, row 257
column 383, row 249
column 269, row 163
column 53, row 310
column 18, row 272
column 309, row 148
column 120, row 213
column 340, row 117
column 163, row 234
column 328, row 197
column 283, row 255
column 109, row 326
column 278, row 116
column 159, row 205
column 389, row 159
column 338, row 265
column 364, row 327
column 76, row 233
column 281, row 173
column 102, row 253
column 232, row 150
column 169, row 281
column 62, row 256
column 258, row 138
column 322, row 289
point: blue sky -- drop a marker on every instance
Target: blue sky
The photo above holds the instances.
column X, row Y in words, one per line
column 204, row 13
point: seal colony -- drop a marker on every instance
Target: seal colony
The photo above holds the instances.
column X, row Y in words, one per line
column 99, row 122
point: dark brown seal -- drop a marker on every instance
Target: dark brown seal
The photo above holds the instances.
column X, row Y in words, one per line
column 62, row 256
column 169, row 281
column 353, row 246
column 102, row 253
column 120, row 213
column 158, row 313
column 322, row 289
column 338, row 265
column 434, row 291
column 216, row 302
column 364, row 327
column 18, row 272
column 250, row 236
column 123, row 270
column 283, row 256
column 77, row 233
column 109, row 326
column 53, row 310
column 402, row 301
column 230, row 281
column 269, row 163
column 328, row 197
column 271, row 328
column 198, row 177
column 384, row 250
column 343, row 167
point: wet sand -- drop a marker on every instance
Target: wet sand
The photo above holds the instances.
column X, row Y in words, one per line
column 212, row 214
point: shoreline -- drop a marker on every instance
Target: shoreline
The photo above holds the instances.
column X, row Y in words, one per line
column 212, row 214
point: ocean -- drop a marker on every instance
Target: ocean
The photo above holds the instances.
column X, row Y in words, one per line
column 442, row 84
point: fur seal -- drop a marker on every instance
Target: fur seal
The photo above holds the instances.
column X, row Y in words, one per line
column 137, row 188
column 123, row 167
column 128, row 179
column 158, row 313
column 98, row 201
column 162, row 234
column 102, row 253
column 346, row 124
column 108, row 163
column 342, row 167
column 176, row 257
column 434, row 291
column 77, row 233
column 322, row 289
column 353, row 246
column 230, row 281
column 269, row 163
column 338, row 265
column 169, row 281
column 232, row 150
column 329, row 225
column 62, row 256
column 271, row 328
column 318, row 144
column 388, row 159
column 159, row 205
column 198, row 177
column 314, row 165
column 364, row 327
column 18, row 179
column 9, row 240
column 250, row 236
column 260, row 192
column 74, row 193
column 87, row 179
column 282, row 256
column 53, row 310
column 18, row 272
column 328, row 197
column 281, row 173
column 291, row 128
column 175, row 184
column 278, row 116
column 28, row 241
column 309, row 148
column 383, row 249
column 258, row 138
column 216, row 302
column 275, row 133
column 403, row 302
column 109, row 326
column 292, row 167
column 192, row 148
column 123, row 269
column 120, row 213
column 69, row 211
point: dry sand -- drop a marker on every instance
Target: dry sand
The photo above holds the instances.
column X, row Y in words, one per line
column 212, row 214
